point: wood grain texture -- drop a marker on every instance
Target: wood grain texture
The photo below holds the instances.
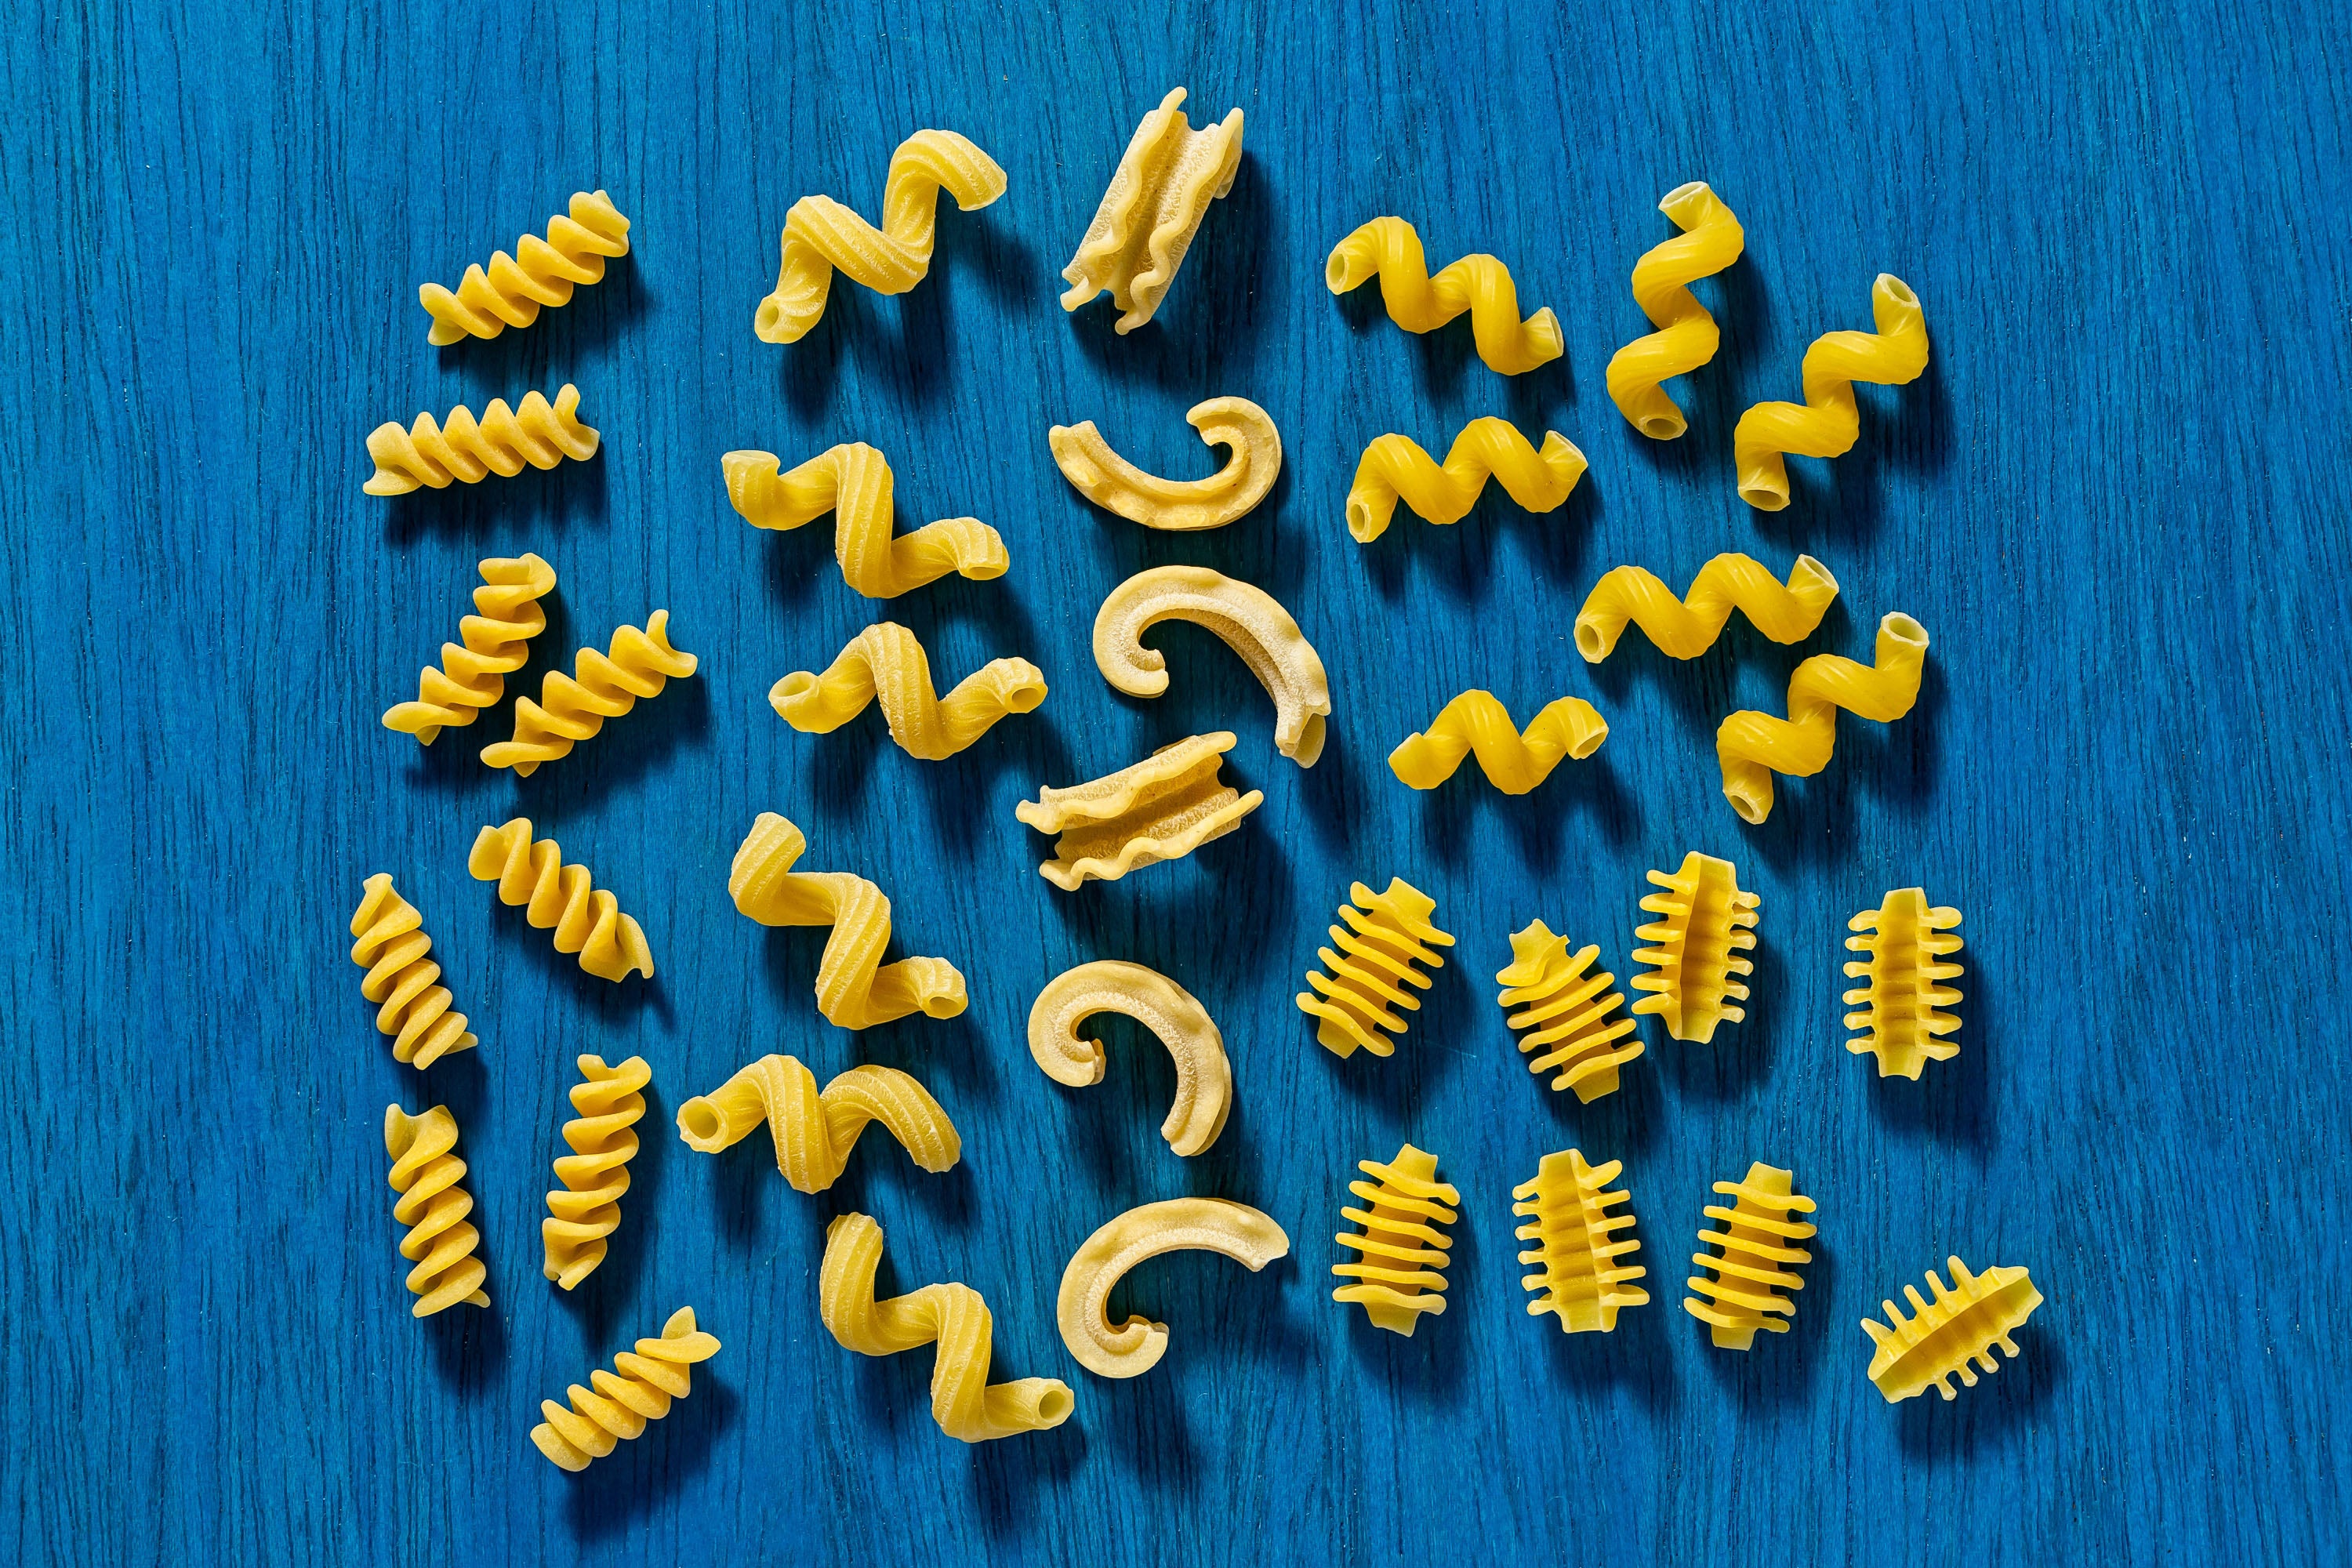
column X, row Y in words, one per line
column 2117, row 499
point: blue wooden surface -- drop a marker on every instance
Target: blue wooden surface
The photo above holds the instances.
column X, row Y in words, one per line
column 2117, row 499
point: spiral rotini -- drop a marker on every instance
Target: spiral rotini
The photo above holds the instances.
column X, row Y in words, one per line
column 854, row 482
column 1909, row 946
column 1704, row 922
column 1688, row 626
column 1515, row 763
column 541, row 273
column 1567, row 1021
column 967, row 1406
column 1754, row 1263
column 1584, row 1280
column 427, row 1174
column 815, row 1132
column 573, row 708
column 1826, row 425
column 855, row 989
column 822, row 236
column 404, row 978
column 1383, row 938
column 637, row 1390
column 1395, row 467
column 1752, row 746
column 463, row 452
column 1962, row 1324
column 586, row 919
column 495, row 641
column 1158, row 196
column 884, row 663
column 1389, row 248
column 1399, row 1269
column 611, row 1102
column 1688, row 336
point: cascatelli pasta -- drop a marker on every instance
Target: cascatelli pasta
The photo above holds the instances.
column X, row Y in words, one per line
column 1195, row 1225
column 1116, row 485
column 1204, row 1078
column 1245, row 618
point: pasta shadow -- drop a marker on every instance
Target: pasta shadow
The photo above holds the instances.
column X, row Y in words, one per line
column 1207, row 329
column 1953, row 1099
column 607, row 1298
column 1992, row 1415
column 469, row 1343
column 1008, row 1474
column 559, row 344
column 1738, row 1059
column 1537, row 820
column 1778, row 1370
column 619, row 1490
column 628, row 748
column 498, row 510
column 1635, row 1357
column 1623, row 1125
column 1148, row 1430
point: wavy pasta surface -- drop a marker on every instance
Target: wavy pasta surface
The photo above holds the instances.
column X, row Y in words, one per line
column 1394, row 468
column 1116, row 485
column 1752, row 746
column 1158, row 196
column 538, row 435
column 1686, row 335
column 1826, row 425
column 434, row 1204
column 1204, row 1078
column 1476, row 723
column 573, row 708
column 814, row 1132
column 602, row 1138
column 1389, row 248
column 404, row 978
column 586, row 919
column 854, row 482
column 639, row 1389
column 1245, row 619
column 1686, row 627
column 1161, row 808
column 494, row 642
column 885, row 663
column 541, row 273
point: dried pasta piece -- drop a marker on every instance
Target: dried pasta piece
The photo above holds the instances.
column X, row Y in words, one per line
column 1394, row 467
column 495, row 642
column 1158, row 196
column 1903, row 975
column 815, row 1132
column 586, row 919
column 1568, row 1023
column 1754, row 1262
column 1688, row 336
column 427, row 1174
column 885, row 663
column 823, row 237
column 1752, row 746
column 637, row 1390
column 404, row 978
column 1181, row 1225
column 463, row 452
column 1582, row 1275
column 1514, row 763
column 1389, row 250
column 1941, row 1337
column 967, row 1406
column 1204, row 1078
column 1383, row 938
column 1705, row 923
column 611, row 1102
column 1401, row 1253
column 1826, row 425
column 541, row 272
column 855, row 989
column 1686, row 627
column 573, row 708
column 854, row 482
column 1245, row 619
column 1116, row 485
column 1161, row 808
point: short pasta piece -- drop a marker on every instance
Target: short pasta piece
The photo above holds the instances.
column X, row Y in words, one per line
column 639, row 1389
column 1161, row 808
column 494, row 641
column 1389, row 248
column 1395, row 467
column 404, row 978
column 541, row 273
column 1476, row 723
column 1827, row 423
column 1903, row 984
column 573, row 708
column 1158, row 196
column 586, row 919
column 462, row 451
column 814, row 1132
column 1204, row 1078
column 1687, row 336
column 1383, row 939
column 1116, row 485
column 1197, row 1225
column 1704, row 922
column 1686, row 627
column 1938, row 1341
column 1752, row 746
column 854, row 482
column 1582, row 1275
column 434, row 1204
column 603, row 1137
column 1570, row 1026
column 885, row 663
column 1245, row 618
column 1754, row 1262
column 1400, row 1254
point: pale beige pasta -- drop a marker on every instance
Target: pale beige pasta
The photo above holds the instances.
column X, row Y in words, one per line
column 1204, row 1078
column 1116, row 485
column 1198, row 1224
column 1158, row 196
column 1245, row 619
column 1161, row 808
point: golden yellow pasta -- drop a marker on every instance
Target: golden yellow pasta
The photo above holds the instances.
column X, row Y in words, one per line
column 1161, row 808
column 611, row 1102
column 823, row 237
column 1688, row 336
column 1909, row 946
column 1245, row 618
column 855, row 989
column 495, row 641
column 638, row 1389
column 1116, row 485
column 1158, row 196
column 1181, row 1225
column 1513, row 763
column 1398, row 1268
column 426, row 1174
column 1389, row 250
column 573, row 708
column 1582, row 1275
column 1570, row 1024
column 1941, row 1337
column 1754, row 1262
column 586, row 919
column 885, row 663
column 1383, row 938
column 854, row 482
column 967, row 1406
column 1686, row 627
column 1753, row 746
column 1394, row 467
column 1204, row 1078
column 541, row 273
column 1704, row 922
column 815, row 1132
column 1826, row 423
column 415, row 1008
column 462, row 451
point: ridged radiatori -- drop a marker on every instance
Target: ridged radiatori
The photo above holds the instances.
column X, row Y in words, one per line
column 1400, row 1254
column 494, row 641
column 1395, row 467
column 1581, row 1277
column 1752, row 746
column 586, row 919
column 541, row 273
column 822, row 236
column 433, row 1204
column 1161, row 808
column 1177, row 506
column 1383, row 939
column 1389, row 250
column 573, row 708
column 1908, row 944
column 1158, row 196
column 463, row 452
column 1754, row 1262
column 1942, row 1337
column 854, row 482
column 1515, row 761
column 855, row 989
column 1245, row 619
column 1688, row 626
column 884, row 663
column 602, row 1138
column 967, row 1406
column 1569, row 1025
column 1687, row 336
column 402, row 978
column 1826, row 423
column 637, row 1390
column 1704, row 922
column 814, row 1132
column 1204, row 1078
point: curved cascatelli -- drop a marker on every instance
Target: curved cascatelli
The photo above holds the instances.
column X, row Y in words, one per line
column 1687, row 336
column 494, row 641
column 611, row 1102
column 884, row 663
column 1826, row 425
column 464, row 451
column 1909, row 946
column 1382, row 940
column 1245, row 618
column 1158, row 196
column 573, row 708
column 541, row 273
column 1686, row 627
column 433, row 1204
column 814, row 1132
column 404, row 978
column 1182, row 506
column 1962, row 1324
column 586, row 919
column 854, row 482
column 1204, row 1078
column 1161, row 808
column 1584, row 1280
column 1389, row 250
column 1754, row 1260
column 1401, row 1253
column 1704, row 922
column 637, row 1390
column 1568, row 1023
column 1515, row 763
column 1752, row 746
column 1181, row 1225
column 1395, row 467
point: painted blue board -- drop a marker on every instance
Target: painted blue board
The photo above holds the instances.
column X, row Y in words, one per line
column 2117, row 499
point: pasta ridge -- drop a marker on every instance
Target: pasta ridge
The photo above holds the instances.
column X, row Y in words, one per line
column 814, row 1132
column 1827, row 425
column 586, row 919
column 1389, row 248
column 1382, row 940
column 1908, row 944
column 1706, row 922
column 1394, row 468
column 639, row 1389
column 1245, row 619
column 1755, row 1263
column 1514, row 761
column 854, row 482
column 1161, row 808
column 1204, row 1076
column 403, row 977
column 464, row 451
column 1582, row 1275
column 573, row 708
column 494, row 642
column 1116, row 485
column 427, row 1174
column 885, row 663
column 1401, row 1253
column 1158, row 196
column 595, row 1175
column 1567, row 1019
column 1688, row 626
column 1752, row 746
column 1963, row 1323
column 541, row 272
column 1686, row 335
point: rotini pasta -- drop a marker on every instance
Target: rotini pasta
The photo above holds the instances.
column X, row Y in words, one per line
column 1753, row 746
column 1940, row 1338
column 404, row 978
column 1705, row 923
column 1158, row 196
column 1389, row 250
column 815, row 1132
column 637, row 1390
column 541, row 272
column 885, row 663
column 1382, row 940
column 1686, row 627
column 573, row 708
column 595, row 1175
column 1161, row 808
column 967, row 1406
column 1687, row 336
column 1580, row 1273
column 427, row 1174
column 854, row 482
column 1116, row 485
column 495, row 642
column 1399, row 1269
column 1755, row 1263
column 1909, row 946
column 823, row 237
column 586, row 919
column 1204, row 1078
column 1568, row 1023
column 1394, row 467
column 462, row 451
column 1181, row 1225
column 1826, row 425
column 1245, row 618
column 1513, row 763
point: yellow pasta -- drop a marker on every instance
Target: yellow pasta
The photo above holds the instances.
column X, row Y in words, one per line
column 426, row 1174
column 885, row 663
column 1705, row 923
column 495, row 642
column 586, row 919
column 1181, row 1225
column 573, row 708
column 1568, row 1023
column 855, row 989
column 541, row 273
column 1398, row 1268
column 611, row 1102
column 1116, row 485
column 1754, row 1263
column 1688, row 336
column 822, row 236
column 1513, row 763
column 1161, row 808
column 1383, row 938
column 1903, row 984
column 1752, row 746
column 404, row 978
column 967, row 1406
column 1686, row 627
column 462, row 451
column 1204, row 1078
column 637, row 1390
column 1580, row 1256
column 854, row 482
column 1394, row 467
column 1962, row 1324
column 815, row 1132
column 1826, row 423
column 1158, row 196
column 1245, row 619
column 1389, row 250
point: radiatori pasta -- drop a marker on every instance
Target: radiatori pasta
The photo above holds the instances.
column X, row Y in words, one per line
column 885, row 663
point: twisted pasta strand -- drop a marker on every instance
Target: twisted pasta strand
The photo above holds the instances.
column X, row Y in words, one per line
column 1158, row 196
column 403, row 977
column 1400, row 1266
column 815, row 1132
column 854, row 482
column 637, row 1390
column 1389, row 248
column 1688, row 336
column 541, row 272
column 426, row 1172
column 573, row 708
column 461, row 450
column 1566, row 1028
column 587, row 919
column 1686, row 627
column 1753, row 746
column 1513, row 762
column 611, row 1102
column 885, row 663
column 1826, row 423
column 495, row 641
column 1394, row 467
